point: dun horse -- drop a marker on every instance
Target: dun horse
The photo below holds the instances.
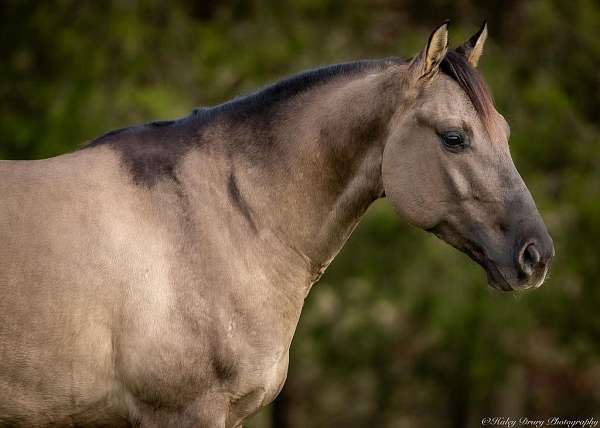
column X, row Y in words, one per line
column 155, row 277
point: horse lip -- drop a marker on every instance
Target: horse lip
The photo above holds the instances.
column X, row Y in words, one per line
column 495, row 278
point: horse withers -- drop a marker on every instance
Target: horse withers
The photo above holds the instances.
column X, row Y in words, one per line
column 156, row 276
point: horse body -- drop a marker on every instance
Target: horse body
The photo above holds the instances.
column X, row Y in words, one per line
column 156, row 276
column 142, row 303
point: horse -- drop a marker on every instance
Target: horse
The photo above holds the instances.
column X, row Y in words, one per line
column 155, row 276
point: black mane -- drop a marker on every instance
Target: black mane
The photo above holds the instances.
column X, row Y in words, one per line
column 454, row 65
column 266, row 98
column 287, row 88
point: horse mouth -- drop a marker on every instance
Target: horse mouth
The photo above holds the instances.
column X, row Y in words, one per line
column 495, row 279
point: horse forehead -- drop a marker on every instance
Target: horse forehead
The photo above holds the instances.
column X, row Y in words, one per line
column 445, row 96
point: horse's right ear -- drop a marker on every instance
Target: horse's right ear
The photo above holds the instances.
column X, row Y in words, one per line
column 473, row 48
column 426, row 63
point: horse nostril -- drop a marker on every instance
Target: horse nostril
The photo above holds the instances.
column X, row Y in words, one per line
column 529, row 258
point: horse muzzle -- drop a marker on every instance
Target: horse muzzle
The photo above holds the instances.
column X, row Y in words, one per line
column 508, row 267
column 528, row 269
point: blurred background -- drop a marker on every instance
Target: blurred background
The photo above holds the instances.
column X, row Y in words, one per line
column 402, row 330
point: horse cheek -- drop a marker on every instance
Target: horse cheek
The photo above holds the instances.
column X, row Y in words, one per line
column 413, row 182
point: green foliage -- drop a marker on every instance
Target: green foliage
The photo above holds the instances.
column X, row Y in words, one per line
column 402, row 330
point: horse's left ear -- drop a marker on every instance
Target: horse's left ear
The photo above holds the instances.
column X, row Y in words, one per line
column 473, row 48
column 426, row 63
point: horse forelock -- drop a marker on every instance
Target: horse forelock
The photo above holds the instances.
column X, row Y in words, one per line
column 456, row 66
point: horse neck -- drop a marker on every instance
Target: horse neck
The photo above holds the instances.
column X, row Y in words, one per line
column 322, row 167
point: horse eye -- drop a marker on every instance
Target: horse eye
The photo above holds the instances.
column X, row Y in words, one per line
column 453, row 140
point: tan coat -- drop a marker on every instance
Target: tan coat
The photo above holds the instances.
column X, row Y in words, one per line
column 155, row 278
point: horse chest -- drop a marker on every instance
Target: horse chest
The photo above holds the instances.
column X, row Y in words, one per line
column 240, row 350
column 250, row 355
column 255, row 356
column 257, row 388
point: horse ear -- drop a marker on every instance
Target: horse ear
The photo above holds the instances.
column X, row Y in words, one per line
column 473, row 48
column 426, row 63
